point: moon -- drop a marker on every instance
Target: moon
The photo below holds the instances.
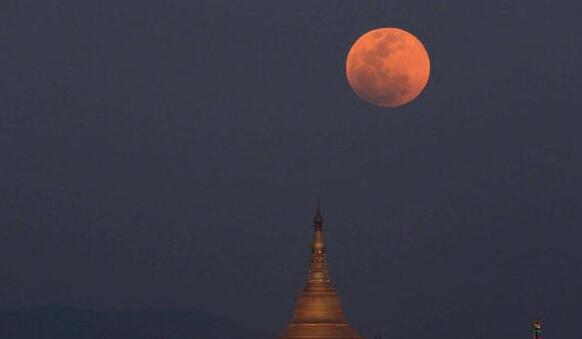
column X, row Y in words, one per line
column 388, row 67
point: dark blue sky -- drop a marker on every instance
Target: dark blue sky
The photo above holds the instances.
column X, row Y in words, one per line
column 169, row 154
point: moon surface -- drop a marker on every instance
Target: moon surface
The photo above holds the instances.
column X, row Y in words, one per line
column 388, row 67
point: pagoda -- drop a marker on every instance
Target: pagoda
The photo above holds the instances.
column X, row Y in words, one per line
column 318, row 312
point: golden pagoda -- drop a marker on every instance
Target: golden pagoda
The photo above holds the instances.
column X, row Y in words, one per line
column 318, row 312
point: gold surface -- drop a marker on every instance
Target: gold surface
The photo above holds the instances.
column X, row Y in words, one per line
column 318, row 312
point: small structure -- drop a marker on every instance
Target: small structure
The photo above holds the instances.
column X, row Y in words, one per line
column 537, row 329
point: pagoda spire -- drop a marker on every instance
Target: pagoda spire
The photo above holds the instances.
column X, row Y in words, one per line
column 318, row 219
column 318, row 272
column 318, row 312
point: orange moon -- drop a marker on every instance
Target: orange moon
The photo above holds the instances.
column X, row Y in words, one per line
column 388, row 67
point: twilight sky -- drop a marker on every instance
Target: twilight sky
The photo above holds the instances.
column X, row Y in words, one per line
column 168, row 155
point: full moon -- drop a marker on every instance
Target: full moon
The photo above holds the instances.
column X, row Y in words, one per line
column 388, row 67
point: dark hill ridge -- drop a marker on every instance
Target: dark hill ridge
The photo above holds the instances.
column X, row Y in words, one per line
column 71, row 323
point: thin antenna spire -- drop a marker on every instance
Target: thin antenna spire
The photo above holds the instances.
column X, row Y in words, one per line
column 318, row 219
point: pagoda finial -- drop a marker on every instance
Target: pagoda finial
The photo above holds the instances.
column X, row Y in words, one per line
column 318, row 219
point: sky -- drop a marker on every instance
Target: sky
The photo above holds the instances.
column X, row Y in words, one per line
column 169, row 155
